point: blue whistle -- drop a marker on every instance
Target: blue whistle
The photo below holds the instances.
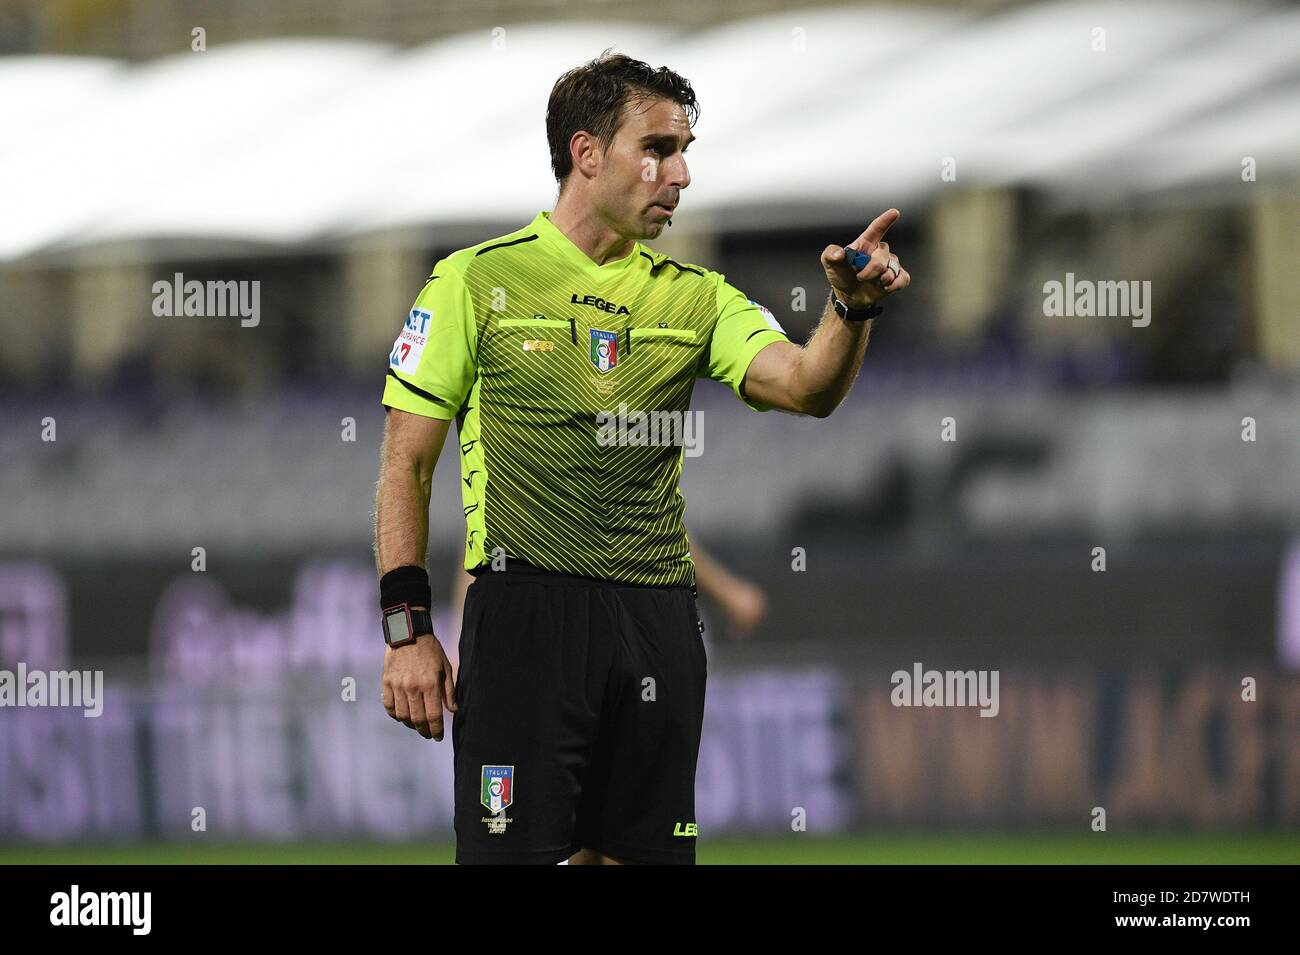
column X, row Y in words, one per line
column 855, row 259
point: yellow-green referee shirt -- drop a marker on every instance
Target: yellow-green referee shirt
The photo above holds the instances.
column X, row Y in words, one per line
column 538, row 352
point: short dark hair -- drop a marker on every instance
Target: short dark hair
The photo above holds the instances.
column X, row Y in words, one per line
column 592, row 97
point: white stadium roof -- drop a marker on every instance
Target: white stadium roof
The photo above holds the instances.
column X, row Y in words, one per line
column 309, row 140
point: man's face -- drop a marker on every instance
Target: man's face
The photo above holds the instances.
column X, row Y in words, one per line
column 644, row 170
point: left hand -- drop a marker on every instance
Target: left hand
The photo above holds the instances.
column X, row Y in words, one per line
column 884, row 274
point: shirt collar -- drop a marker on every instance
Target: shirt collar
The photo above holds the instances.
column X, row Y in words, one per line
column 564, row 246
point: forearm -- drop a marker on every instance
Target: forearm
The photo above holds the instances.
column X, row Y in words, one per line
column 830, row 362
column 401, row 514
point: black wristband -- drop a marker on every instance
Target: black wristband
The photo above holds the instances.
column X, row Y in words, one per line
column 854, row 314
column 404, row 585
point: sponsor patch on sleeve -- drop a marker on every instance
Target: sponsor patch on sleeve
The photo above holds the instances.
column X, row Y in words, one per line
column 772, row 323
column 410, row 343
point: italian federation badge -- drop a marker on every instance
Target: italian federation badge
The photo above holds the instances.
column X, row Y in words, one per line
column 497, row 792
column 604, row 349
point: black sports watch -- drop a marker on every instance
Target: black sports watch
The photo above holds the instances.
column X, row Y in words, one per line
column 403, row 623
column 854, row 314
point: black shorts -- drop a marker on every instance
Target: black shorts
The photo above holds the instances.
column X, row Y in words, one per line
column 579, row 709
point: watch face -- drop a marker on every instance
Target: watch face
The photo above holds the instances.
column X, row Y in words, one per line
column 397, row 625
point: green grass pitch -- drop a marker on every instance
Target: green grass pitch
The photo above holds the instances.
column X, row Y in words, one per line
column 807, row 850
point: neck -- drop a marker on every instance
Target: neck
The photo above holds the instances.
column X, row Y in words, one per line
column 584, row 228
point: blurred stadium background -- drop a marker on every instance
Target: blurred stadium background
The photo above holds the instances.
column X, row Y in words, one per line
column 332, row 151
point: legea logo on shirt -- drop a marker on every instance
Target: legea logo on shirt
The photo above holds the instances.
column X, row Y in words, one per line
column 410, row 343
column 596, row 301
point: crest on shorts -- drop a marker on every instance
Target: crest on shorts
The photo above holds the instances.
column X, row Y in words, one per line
column 604, row 349
column 498, row 788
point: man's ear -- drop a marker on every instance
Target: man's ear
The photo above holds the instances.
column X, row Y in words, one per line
column 590, row 148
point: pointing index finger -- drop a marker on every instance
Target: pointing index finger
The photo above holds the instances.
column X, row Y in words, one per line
column 876, row 231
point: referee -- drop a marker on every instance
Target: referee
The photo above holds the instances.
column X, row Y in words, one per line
column 580, row 693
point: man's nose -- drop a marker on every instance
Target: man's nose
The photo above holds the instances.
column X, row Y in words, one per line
column 678, row 174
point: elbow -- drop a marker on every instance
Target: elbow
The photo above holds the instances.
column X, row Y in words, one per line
column 814, row 400
column 819, row 405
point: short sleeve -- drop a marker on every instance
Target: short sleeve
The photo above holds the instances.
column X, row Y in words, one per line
column 743, row 329
column 432, row 366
